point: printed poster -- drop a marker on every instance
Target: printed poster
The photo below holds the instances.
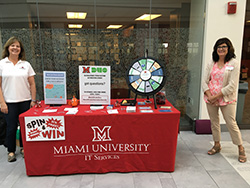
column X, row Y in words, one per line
column 94, row 84
column 54, row 87
column 44, row 128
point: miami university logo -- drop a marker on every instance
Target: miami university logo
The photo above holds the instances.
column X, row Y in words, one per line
column 86, row 69
column 101, row 135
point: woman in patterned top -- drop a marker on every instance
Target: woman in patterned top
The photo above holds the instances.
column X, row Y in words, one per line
column 220, row 85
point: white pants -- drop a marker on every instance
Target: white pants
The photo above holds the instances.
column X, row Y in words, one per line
column 228, row 113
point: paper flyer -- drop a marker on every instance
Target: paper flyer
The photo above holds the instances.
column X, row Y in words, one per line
column 94, row 84
column 54, row 87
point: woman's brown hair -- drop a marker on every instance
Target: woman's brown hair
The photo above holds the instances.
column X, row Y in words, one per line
column 10, row 42
column 230, row 53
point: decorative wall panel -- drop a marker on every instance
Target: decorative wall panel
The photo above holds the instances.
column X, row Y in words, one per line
column 66, row 49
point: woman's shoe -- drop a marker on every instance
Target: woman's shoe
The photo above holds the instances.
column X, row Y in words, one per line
column 214, row 150
column 22, row 152
column 242, row 156
column 11, row 158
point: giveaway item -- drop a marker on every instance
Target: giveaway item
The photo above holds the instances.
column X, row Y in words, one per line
column 141, row 103
column 38, row 104
column 71, row 110
column 131, row 109
column 128, row 103
column 166, row 107
column 74, row 102
column 109, row 107
column 117, row 104
column 145, row 107
column 96, row 107
column 113, row 111
column 165, row 111
column 160, row 98
column 146, row 111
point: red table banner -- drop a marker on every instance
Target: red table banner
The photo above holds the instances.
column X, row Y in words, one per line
column 97, row 142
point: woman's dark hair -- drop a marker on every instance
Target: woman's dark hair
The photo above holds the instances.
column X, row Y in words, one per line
column 230, row 53
column 10, row 42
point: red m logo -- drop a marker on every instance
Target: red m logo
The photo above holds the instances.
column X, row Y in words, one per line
column 101, row 135
column 86, row 70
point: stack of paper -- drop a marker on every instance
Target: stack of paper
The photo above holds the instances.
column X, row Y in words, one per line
column 115, row 111
column 96, row 107
column 146, row 111
column 131, row 109
column 145, row 107
column 71, row 110
column 49, row 110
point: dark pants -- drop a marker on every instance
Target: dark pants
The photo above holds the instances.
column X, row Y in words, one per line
column 2, row 129
column 14, row 110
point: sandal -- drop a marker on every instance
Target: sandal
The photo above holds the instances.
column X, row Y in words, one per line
column 214, row 150
column 242, row 156
column 22, row 152
column 11, row 158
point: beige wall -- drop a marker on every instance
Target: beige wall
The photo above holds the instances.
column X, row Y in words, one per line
column 220, row 24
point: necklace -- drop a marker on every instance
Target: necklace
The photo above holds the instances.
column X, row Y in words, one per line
column 220, row 66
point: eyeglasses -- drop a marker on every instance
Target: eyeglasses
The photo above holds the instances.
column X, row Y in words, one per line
column 222, row 47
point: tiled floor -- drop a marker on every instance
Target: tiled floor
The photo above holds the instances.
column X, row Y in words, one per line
column 193, row 168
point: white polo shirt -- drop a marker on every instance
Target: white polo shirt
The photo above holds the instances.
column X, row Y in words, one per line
column 15, row 85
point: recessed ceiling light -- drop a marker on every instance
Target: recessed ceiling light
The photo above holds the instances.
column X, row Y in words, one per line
column 147, row 17
column 71, row 34
column 74, row 25
column 76, row 15
column 114, row 26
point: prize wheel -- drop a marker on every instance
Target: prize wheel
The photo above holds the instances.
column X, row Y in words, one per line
column 146, row 76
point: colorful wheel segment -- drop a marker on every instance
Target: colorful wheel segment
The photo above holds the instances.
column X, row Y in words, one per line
column 146, row 76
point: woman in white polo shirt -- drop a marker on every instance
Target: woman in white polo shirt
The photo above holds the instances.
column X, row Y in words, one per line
column 17, row 90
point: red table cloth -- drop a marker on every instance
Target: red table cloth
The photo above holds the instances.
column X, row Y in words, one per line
column 93, row 141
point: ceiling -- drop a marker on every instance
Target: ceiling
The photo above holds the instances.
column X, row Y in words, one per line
column 104, row 12
column 53, row 12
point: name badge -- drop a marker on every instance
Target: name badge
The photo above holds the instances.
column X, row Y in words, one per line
column 229, row 67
